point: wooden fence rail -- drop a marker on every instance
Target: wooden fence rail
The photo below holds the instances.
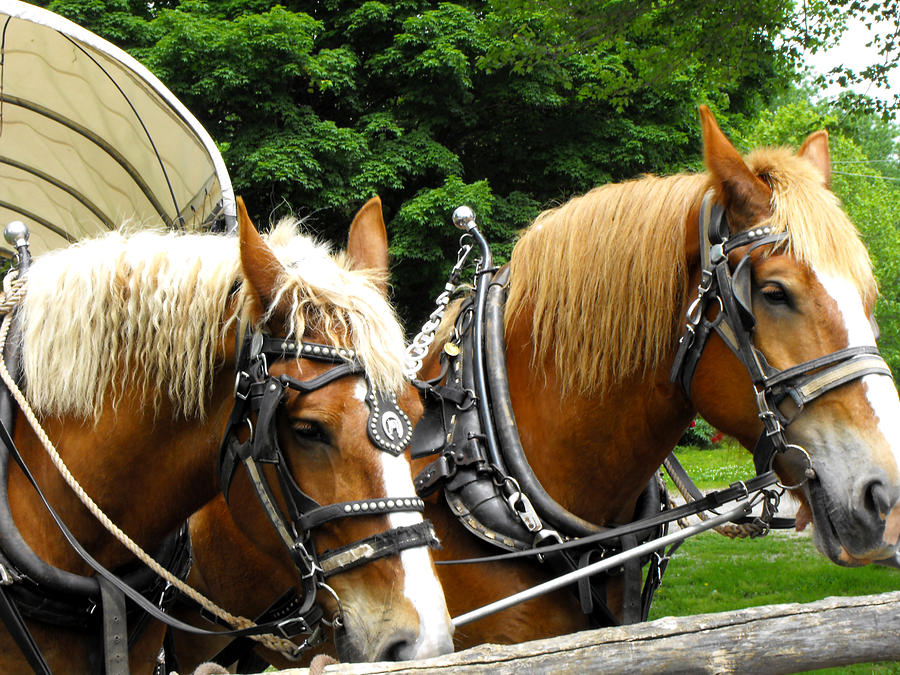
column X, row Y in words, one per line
column 785, row 638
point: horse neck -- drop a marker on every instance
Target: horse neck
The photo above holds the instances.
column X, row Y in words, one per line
column 594, row 454
column 146, row 471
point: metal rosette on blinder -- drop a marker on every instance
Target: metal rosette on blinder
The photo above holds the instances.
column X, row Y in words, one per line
column 389, row 427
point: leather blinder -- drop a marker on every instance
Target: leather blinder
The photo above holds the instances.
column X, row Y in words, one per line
column 740, row 285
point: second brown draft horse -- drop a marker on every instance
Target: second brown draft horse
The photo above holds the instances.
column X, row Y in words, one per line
column 598, row 292
column 599, row 289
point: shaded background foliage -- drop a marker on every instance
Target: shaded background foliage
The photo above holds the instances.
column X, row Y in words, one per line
column 509, row 106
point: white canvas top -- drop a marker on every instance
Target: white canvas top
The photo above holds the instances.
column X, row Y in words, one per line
column 89, row 138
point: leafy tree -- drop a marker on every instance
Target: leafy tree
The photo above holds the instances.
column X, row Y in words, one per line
column 819, row 24
column 507, row 105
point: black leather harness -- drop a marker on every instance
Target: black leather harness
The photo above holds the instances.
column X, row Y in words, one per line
column 31, row 588
column 258, row 397
column 726, row 293
column 506, row 505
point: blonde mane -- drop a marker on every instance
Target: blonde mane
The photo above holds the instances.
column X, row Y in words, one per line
column 148, row 309
column 603, row 276
column 821, row 234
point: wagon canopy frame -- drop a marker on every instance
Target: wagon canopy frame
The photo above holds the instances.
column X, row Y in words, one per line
column 91, row 139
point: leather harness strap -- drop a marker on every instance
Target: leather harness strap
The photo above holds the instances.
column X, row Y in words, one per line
column 711, row 500
column 734, row 322
column 15, row 624
column 115, row 643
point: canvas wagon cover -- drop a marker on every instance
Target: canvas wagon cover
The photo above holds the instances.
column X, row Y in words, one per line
column 89, row 138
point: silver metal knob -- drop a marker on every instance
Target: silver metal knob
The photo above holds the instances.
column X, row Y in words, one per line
column 464, row 218
column 16, row 233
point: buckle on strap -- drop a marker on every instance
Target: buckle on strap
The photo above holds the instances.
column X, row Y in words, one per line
column 520, row 504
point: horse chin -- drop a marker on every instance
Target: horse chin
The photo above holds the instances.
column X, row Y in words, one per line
column 835, row 536
column 347, row 649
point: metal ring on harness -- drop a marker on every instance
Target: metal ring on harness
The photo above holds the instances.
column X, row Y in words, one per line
column 808, row 473
column 337, row 621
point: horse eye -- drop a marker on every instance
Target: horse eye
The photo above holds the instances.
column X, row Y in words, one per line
column 309, row 431
column 775, row 294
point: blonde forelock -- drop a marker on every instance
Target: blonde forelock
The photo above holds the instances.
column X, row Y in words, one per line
column 820, row 233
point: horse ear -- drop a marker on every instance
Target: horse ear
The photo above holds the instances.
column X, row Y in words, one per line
column 815, row 149
column 367, row 244
column 259, row 265
column 743, row 194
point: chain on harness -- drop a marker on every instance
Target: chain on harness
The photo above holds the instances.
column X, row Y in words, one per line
column 420, row 344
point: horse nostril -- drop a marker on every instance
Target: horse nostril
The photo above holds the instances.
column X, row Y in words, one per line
column 877, row 499
column 401, row 648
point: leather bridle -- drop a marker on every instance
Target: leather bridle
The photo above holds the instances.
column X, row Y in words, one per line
column 730, row 289
column 258, row 397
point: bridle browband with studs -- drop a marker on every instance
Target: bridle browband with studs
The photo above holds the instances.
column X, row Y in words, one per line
column 259, row 393
column 734, row 322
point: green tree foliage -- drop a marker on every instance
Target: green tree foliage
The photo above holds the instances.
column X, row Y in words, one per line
column 509, row 106
column 819, row 24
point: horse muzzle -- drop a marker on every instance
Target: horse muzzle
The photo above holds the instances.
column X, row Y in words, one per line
column 855, row 526
column 356, row 644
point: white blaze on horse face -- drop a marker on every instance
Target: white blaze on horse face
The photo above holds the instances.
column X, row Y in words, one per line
column 421, row 585
column 880, row 391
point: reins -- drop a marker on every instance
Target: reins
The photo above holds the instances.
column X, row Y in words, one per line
column 740, row 491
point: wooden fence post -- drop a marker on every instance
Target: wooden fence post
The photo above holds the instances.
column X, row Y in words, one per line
column 785, row 638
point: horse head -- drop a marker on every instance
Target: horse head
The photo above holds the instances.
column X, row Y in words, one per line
column 805, row 293
column 340, row 421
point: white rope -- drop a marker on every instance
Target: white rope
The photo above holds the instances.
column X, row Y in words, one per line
column 14, row 291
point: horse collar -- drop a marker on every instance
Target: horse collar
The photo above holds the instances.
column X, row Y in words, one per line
column 509, row 510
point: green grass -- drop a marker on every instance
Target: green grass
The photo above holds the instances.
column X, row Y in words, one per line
column 711, row 573
column 715, row 468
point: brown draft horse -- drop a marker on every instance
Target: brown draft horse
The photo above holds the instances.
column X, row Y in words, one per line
column 598, row 292
column 129, row 358
column 246, row 578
